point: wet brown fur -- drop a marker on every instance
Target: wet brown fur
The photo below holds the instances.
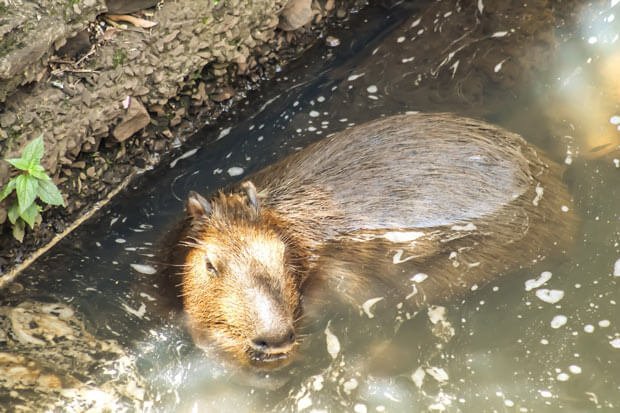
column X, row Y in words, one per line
column 464, row 189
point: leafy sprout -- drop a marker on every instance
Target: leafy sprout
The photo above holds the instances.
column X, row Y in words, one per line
column 31, row 183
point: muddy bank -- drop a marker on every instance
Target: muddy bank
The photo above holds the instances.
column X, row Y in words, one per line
column 111, row 97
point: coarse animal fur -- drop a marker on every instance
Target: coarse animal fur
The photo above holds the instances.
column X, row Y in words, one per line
column 415, row 209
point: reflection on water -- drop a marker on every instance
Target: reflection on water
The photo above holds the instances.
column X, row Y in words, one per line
column 543, row 340
column 586, row 92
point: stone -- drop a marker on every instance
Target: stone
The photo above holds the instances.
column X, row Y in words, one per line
column 332, row 41
column 224, row 94
column 296, row 13
column 135, row 119
column 129, row 6
column 7, row 119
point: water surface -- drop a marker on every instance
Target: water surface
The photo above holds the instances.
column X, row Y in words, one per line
column 545, row 339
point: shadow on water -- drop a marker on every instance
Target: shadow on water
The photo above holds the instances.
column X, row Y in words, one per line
column 550, row 347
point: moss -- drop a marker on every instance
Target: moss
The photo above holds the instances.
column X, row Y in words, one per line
column 8, row 44
column 119, row 57
column 195, row 75
column 12, row 140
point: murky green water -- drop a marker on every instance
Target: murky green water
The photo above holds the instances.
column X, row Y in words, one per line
column 545, row 339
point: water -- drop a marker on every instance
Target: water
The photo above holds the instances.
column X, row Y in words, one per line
column 548, row 74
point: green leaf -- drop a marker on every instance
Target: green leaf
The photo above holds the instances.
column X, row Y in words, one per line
column 27, row 187
column 19, row 163
column 39, row 172
column 33, row 152
column 13, row 213
column 49, row 193
column 8, row 188
column 18, row 230
column 30, row 215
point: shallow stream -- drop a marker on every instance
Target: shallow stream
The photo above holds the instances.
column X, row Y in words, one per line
column 546, row 338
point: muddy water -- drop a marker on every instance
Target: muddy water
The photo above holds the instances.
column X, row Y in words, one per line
column 546, row 338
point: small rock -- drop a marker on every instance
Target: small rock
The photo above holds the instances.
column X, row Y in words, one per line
column 129, row 6
column 135, row 119
column 15, row 288
column 175, row 120
column 225, row 94
column 332, row 41
column 341, row 13
column 296, row 13
column 79, row 165
column 7, row 119
column 329, row 5
column 90, row 172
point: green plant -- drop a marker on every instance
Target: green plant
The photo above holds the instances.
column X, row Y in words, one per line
column 119, row 57
column 31, row 183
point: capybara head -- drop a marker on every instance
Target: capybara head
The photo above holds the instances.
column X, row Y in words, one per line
column 240, row 289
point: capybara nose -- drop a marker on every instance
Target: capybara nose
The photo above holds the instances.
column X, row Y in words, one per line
column 272, row 342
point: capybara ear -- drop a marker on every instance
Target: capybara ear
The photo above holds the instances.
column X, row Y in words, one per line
column 197, row 206
column 250, row 191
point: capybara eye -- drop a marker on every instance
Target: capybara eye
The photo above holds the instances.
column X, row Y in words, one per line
column 210, row 267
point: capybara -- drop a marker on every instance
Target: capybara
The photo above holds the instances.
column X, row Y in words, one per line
column 413, row 209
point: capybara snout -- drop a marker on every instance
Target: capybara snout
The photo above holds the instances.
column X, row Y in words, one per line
column 239, row 290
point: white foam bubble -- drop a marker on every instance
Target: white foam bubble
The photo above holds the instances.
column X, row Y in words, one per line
column 438, row 374
column 144, row 269
column 223, row 133
column 333, row 344
column 367, row 306
column 558, row 321
column 574, row 369
column 360, row 408
column 138, row 313
column 545, row 393
column 355, row 76
column 349, row 385
column 549, row 296
column 604, row 323
column 235, row 171
column 535, row 283
column 418, row 377
column 402, row 236
column 419, row 277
